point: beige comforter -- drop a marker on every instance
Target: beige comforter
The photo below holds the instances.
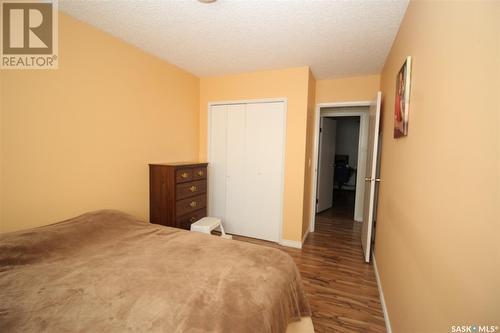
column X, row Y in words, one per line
column 108, row 272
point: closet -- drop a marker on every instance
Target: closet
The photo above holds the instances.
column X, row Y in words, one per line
column 246, row 167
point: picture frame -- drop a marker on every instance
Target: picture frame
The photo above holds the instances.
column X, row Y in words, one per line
column 402, row 100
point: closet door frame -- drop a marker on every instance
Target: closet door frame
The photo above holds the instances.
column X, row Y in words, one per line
column 209, row 147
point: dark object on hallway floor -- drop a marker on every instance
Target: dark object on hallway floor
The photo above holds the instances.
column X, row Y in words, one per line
column 343, row 203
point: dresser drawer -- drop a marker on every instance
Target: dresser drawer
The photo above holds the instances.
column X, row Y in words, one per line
column 199, row 173
column 190, row 204
column 184, row 175
column 185, row 221
column 185, row 190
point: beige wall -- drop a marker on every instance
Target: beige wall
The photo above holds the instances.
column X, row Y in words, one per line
column 79, row 138
column 289, row 83
column 359, row 88
column 438, row 221
column 311, row 109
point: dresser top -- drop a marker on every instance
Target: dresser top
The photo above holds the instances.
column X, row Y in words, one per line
column 182, row 164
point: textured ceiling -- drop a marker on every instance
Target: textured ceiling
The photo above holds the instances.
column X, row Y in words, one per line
column 336, row 38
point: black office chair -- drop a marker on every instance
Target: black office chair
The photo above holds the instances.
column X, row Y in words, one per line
column 342, row 172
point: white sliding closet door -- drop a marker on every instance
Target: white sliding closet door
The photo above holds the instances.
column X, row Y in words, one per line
column 264, row 167
column 236, row 182
column 246, row 168
column 217, row 165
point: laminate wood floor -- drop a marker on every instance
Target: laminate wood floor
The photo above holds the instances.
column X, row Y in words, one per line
column 341, row 287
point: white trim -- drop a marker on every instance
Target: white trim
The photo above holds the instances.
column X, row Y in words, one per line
column 342, row 113
column 305, row 236
column 343, row 104
column 283, row 100
column 314, row 174
column 382, row 298
column 291, row 243
column 247, row 101
column 362, row 154
column 295, row 244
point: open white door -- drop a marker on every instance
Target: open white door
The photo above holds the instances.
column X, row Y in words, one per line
column 328, row 132
column 371, row 173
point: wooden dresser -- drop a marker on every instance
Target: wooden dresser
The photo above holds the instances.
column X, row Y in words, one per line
column 177, row 193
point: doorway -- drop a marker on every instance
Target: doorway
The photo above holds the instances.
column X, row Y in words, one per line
column 341, row 161
column 367, row 167
column 340, row 146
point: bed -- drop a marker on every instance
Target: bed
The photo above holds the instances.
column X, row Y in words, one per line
column 106, row 271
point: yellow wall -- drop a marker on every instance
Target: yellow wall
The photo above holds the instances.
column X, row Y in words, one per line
column 301, row 89
column 359, row 88
column 80, row 138
column 350, row 89
column 289, row 83
column 311, row 109
column 438, row 221
column 91, row 127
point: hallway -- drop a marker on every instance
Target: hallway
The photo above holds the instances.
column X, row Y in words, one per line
column 341, row 287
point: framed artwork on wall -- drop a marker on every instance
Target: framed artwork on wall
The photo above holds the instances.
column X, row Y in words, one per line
column 402, row 100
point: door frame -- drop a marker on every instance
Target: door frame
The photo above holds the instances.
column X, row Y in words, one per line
column 283, row 160
column 340, row 113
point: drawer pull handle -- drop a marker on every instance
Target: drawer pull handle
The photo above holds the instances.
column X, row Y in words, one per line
column 200, row 173
column 193, row 219
column 184, row 175
column 193, row 188
column 193, row 204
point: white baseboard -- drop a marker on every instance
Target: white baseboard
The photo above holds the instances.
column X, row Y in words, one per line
column 291, row 243
column 305, row 236
column 382, row 298
column 294, row 244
